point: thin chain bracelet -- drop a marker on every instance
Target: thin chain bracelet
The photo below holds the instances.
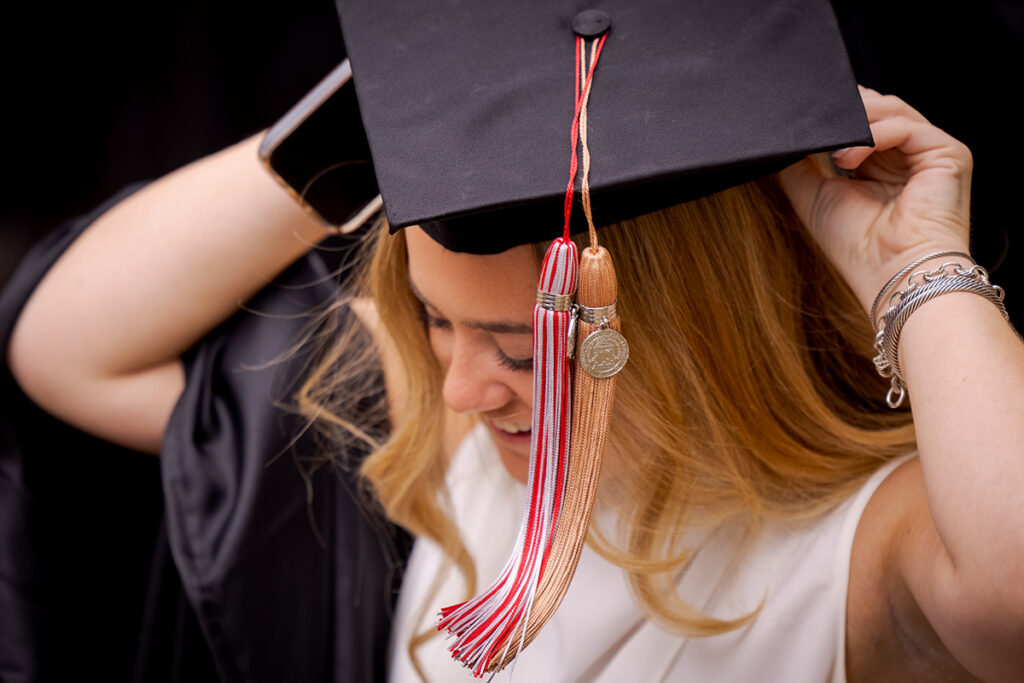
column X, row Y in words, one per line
column 881, row 360
column 923, row 286
column 899, row 276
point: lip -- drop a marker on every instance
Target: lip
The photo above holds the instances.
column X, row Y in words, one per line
column 522, row 439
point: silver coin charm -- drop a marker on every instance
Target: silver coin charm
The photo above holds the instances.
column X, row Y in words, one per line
column 603, row 353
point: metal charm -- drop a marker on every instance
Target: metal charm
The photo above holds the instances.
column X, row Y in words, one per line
column 570, row 342
column 603, row 353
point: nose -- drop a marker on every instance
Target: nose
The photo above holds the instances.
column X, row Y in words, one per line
column 473, row 382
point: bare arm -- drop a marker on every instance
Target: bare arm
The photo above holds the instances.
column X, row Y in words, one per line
column 959, row 549
column 99, row 341
column 965, row 371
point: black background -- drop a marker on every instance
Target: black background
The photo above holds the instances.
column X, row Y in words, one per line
column 100, row 95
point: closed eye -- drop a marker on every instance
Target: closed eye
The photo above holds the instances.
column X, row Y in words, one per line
column 514, row 363
column 433, row 321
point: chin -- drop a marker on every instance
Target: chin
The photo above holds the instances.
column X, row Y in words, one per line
column 513, row 449
column 516, row 464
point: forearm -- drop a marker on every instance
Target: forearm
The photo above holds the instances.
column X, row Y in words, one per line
column 163, row 267
column 964, row 367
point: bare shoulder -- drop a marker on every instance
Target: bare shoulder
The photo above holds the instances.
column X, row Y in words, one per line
column 888, row 637
column 456, row 426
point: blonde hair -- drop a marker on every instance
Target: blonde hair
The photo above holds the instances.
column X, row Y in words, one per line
column 749, row 394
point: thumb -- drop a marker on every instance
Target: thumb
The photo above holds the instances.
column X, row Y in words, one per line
column 803, row 181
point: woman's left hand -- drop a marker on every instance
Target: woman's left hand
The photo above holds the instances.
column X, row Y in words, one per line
column 910, row 196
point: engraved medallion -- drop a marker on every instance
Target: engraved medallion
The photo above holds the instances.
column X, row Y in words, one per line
column 603, row 353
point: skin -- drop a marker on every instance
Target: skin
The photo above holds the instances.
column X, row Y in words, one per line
column 482, row 335
column 938, row 558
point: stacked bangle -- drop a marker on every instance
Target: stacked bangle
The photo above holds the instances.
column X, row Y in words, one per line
column 922, row 287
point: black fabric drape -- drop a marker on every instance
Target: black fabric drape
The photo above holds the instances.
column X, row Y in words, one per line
column 222, row 575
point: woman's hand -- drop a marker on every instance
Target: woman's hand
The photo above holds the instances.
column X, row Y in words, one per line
column 910, row 196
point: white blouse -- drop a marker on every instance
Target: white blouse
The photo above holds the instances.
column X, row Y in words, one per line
column 799, row 570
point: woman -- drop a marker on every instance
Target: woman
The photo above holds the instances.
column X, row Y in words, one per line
column 768, row 434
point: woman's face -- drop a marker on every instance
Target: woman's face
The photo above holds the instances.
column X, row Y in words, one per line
column 479, row 312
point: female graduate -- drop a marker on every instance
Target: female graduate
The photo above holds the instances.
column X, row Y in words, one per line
column 762, row 513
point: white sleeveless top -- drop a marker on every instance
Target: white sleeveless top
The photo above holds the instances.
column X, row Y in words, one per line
column 598, row 634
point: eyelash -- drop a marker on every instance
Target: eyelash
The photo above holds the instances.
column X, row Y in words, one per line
column 506, row 362
column 431, row 321
column 513, row 364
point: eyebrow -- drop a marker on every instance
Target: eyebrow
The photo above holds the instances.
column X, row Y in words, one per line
column 495, row 326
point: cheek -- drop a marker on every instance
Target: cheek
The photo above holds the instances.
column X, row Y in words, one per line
column 522, row 386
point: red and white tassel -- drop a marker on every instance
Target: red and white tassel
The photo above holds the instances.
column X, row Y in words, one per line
column 484, row 626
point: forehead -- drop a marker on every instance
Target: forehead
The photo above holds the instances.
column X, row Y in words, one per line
column 472, row 285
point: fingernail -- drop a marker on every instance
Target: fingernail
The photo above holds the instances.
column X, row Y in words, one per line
column 840, row 153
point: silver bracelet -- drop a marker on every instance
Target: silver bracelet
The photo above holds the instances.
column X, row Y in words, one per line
column 922, row 287
column 899, row 276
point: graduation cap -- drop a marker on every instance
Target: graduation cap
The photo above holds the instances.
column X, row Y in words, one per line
column 477, row 114
column 466, row 106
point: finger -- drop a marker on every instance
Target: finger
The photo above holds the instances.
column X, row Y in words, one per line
column 879, row 106
column 911, row 137
column 851, row 157
column 801, row 183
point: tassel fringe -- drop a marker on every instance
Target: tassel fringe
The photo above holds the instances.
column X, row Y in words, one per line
column 490, row 626
column 593, row 399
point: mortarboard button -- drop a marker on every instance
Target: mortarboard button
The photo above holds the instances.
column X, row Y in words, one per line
column 591, row 23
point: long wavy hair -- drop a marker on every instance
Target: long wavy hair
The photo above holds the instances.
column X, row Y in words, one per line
column 749, row 394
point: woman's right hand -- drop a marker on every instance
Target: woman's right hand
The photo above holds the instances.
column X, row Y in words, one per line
column 99, row 341
column 911, row 197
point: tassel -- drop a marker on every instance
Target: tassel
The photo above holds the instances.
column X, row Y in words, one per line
column 485, row 627
column 601, row 352
column 593, row 398
column 489, row 631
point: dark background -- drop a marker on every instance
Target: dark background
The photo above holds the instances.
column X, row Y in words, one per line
column 101, row 95
column 114, row 92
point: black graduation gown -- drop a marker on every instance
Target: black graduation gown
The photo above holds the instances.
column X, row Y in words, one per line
column 204, row 564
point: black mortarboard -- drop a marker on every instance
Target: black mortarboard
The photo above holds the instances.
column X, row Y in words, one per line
column 467, row 106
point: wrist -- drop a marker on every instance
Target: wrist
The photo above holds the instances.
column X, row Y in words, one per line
column 911, row 269
column 921, row 281
column 894, row 271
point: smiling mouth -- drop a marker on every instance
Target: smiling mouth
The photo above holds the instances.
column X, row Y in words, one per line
column 510, row 427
